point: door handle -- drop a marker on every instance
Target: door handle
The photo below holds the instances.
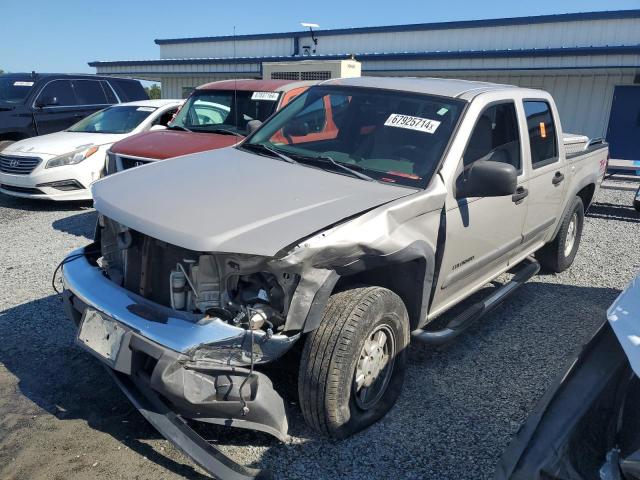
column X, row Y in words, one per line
column 557, row 178
column 521, row 194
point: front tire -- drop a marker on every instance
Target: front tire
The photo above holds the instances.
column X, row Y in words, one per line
column 558, row 255
column 352, row 366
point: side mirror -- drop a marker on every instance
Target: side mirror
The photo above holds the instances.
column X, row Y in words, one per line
column 157, row 127
column 48, row 101
column 252, row 126
column 487, row 179
column 296, row 129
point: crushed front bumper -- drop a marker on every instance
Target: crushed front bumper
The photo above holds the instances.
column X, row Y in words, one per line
column 154, row 359
column 176, row 430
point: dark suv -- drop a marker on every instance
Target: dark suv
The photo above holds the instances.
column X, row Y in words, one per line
column 36, row 104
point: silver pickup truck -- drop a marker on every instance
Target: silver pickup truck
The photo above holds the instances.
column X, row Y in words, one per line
column 335, row 234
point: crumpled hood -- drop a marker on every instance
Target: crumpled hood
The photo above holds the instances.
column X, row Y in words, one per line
column 61, row 142
column 232, row 201
column 171, row 143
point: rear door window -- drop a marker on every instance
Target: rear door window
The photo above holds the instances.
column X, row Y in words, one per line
column 111, row 97
column 495, row 137
column 62, row 91
column 542, row 133
column 128, row 90
column 89, row 92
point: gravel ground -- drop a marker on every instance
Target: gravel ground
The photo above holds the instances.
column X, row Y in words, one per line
column 61, row 417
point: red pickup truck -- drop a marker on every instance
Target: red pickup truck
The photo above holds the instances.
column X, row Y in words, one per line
column 216, row 115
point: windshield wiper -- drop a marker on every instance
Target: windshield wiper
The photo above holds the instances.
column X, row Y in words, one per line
column 327, row 159
column 264, row 148
column 224, row 131
column 177, row 127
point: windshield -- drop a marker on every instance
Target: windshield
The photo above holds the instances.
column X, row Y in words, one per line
column 392, row 137
column 15, row 89
column 215, row 111
column 113, row 120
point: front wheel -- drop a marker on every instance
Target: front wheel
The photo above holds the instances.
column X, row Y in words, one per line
column 352, row 366
column 558, row 255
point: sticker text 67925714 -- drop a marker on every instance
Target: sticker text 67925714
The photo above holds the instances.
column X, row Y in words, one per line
column 419, row 124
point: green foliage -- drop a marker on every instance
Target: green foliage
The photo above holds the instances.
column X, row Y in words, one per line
column 153, row 91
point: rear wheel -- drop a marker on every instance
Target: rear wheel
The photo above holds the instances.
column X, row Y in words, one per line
column 636, row 200
column 558, row 255
column 352, row 366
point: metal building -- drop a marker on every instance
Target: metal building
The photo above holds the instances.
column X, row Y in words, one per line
column 590, row 62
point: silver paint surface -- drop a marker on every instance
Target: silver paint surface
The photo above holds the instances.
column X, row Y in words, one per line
column 231, row 201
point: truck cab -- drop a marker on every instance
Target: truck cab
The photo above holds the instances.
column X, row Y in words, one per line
column 215, row 115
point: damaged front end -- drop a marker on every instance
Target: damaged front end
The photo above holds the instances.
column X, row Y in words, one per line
column 189, row 326
column 587, row 426
column 184, row 324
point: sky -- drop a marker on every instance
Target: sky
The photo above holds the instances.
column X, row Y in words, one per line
column 63, row 35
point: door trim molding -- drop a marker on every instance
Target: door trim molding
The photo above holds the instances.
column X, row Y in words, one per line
column 468, row 269
column 526, row 236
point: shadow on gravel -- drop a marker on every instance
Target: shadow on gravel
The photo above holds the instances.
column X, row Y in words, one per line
column 610, row 211
column 483, row 379
column 621, row 188
column 38, row 348
column 81, row 224
column 27, row 204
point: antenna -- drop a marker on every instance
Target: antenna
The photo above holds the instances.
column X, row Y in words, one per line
column 311, row 26
column 235, row 84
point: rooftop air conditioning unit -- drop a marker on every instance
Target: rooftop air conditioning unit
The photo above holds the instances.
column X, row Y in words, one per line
column 311, row 69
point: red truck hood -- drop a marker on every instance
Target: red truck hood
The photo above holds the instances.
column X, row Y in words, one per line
column 160, row 145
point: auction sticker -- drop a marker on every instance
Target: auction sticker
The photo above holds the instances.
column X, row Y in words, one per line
column 419, row 124
column 268, row 96
column 23, row 84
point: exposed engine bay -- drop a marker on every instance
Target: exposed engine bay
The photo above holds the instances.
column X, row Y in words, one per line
column 239, row 289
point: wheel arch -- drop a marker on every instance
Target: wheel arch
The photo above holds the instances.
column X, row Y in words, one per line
column 402, row 278
column 409, row 273
column 586, row 195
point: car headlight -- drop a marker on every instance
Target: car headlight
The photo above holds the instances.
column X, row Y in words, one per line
column 72, row 158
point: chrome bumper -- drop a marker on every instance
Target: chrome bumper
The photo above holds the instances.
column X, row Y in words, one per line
column 181, row 332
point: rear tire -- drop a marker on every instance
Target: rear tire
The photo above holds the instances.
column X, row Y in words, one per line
column 636, row 200
column 5, row 143
column 353, row 365
column 558, row 255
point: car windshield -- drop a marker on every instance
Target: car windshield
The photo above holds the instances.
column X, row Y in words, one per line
column 388, row 136
column 215, row 111
column 113, row 120
column 15, row 89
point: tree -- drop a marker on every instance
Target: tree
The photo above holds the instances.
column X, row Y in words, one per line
column 1, row 71
column 153, row 91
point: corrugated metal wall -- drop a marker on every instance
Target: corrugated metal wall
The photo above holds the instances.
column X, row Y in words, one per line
column 536, row 35
column 544, row 35
column 243, row 48
column 582, row 85
column 584, row 101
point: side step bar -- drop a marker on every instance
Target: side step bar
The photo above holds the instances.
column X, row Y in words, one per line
column 522, row 272
column 175, row 429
